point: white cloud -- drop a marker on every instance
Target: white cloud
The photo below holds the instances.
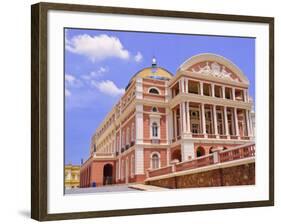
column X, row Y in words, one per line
column 96, row 74
column 138, row 57
column 108, row 87
column 71, row 80
column 97, row 48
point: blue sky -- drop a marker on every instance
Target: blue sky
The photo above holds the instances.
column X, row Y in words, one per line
column 99, row 64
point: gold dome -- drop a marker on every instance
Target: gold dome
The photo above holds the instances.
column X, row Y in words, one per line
column 152, row 72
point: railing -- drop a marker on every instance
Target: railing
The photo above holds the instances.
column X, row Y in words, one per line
column 160, row 171
column 223, row 136
column 235, row 153
column 198, row 135
column 195, row 163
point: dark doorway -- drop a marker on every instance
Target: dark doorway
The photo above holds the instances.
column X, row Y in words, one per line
column 200, row 151
column 107, row 174
column 176, row 155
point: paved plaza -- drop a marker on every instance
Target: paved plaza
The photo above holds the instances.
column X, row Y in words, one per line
column 108, row 188
column 114, row 188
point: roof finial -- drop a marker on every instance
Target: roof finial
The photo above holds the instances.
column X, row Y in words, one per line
column 154, row 62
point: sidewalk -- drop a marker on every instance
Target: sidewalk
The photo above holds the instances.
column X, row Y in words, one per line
column 145, row 187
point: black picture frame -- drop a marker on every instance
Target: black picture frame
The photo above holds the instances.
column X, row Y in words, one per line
column 39, row 105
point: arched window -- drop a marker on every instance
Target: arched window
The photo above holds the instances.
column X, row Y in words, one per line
column 155, row 161
column 154, row 109
column 154, row 91
column 154, row 129
column 200, row 151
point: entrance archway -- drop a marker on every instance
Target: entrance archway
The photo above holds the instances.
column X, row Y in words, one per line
column 107, row 174
column 176, row 154
column 200, row 151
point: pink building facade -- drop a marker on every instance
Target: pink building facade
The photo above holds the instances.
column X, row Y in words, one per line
column 164, row 118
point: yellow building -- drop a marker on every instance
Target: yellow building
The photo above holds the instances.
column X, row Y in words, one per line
column 72, row 176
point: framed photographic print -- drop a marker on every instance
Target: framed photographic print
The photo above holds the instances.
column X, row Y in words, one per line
column 140, row 111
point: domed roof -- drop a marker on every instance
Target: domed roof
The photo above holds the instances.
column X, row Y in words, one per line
column 152, row 72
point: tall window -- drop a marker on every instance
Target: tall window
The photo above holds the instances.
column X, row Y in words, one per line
column 155, row 161
column 154, row 91
column 133, row 132
column 128, row 136
column 154, row 130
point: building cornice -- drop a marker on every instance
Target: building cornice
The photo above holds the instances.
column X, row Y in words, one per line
column 183, row 97
column 208, row 78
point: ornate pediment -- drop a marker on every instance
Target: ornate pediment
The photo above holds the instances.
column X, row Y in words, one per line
column 215, row 69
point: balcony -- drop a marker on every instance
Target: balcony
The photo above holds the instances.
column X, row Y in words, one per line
column 198, row 135
column 211, row 136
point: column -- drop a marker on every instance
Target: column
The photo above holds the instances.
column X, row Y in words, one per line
column 170, row 126
column 139, row 124
column 168, row 155
column 183, row 117
column 201, row 88
column 251, row 124
column 236, row 122
column 175, row 124
column 139, row 88
column 213, row 89
column 245, row 95
column 215, row 120
column 248, row 123
column 186, row 85
column 223, row 92
column 233, row 93
column 120, row 139
column 203, row 119
column 188, row 117
column 182, row 86
column 226, row 122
